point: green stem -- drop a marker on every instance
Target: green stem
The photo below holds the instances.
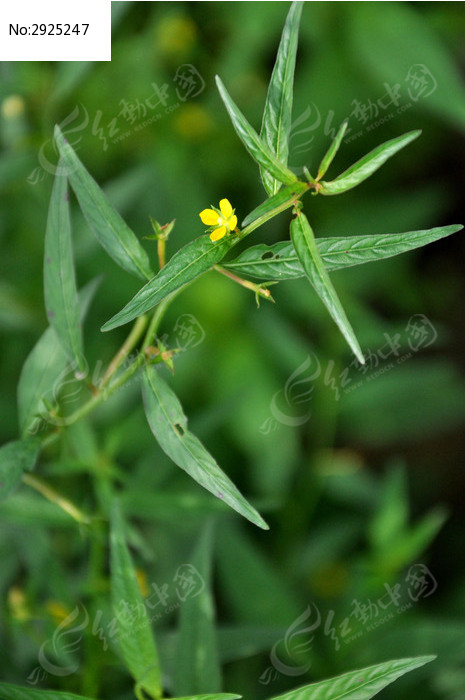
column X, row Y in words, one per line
column 55, row 497
column 104, row 395
column 124, row 351
column 158, row 316
column 256, row 288
column 271, row 214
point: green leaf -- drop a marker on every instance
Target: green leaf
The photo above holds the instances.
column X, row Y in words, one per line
column 314, row 268
column 198, row 667
column 17, row 692
column 277, row 116
column 367, row 165
column 390, row 519
column 169, row 425
column 15, row 458
column 358, row 685
column 277, row 203
column 215, row 696
column 112, row 232
column 332, row 150
column 252, row 141
column 61, row 297
column 43, row 367
column 280, row 262
column 185, row 265
column 135, row 638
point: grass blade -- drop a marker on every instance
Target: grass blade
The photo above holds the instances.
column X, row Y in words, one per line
column 198, row 667
column 112, row 232
column 314, row 268
column 168, row 423
column 61, row 297
column 252, row 141
column 277, row 116
column 135, row 638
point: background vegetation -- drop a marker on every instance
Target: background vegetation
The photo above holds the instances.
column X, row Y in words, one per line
column 371, row 481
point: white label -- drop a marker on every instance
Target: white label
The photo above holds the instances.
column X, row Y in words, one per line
column 55, row 31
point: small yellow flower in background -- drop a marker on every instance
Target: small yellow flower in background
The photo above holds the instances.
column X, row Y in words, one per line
column 223, row 219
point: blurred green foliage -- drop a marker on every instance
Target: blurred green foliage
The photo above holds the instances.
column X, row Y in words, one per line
column 365, row 479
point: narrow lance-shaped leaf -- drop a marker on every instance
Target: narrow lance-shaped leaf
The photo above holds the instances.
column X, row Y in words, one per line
column 185, row 265
column 332, row 150
column 214, row 696
column 284, row 199
column 358, row 685
column 314, row 268
column 112, row 232
column 169, row 425
column 277, row 116
column 252, row 141
column 18, row 692
column 43, row 368
column 135, row 638
column 61, row 297
column 198, row 667
column 15, row 458
column 367, row 165
column 280, row 261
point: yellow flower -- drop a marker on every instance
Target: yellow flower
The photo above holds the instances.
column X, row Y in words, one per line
column 222, row 220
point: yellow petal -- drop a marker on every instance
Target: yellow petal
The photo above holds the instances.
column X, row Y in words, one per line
column 209, row 217
column 218, row 233
column 226, row 208
column 232, row 223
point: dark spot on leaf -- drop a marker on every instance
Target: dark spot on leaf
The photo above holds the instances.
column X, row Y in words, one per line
column 179, row 429
column 66, row 196
column 269, row 255
column 49, row 260
column 50, row 314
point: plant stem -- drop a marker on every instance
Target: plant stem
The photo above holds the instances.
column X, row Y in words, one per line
column 271, row 214
column 124, row 351
column 157, row 317
column 104, row 395
column 161, row 244
column 256, row 288
column 56, row 498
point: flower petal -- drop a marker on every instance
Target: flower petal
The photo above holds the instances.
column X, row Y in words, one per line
column 232, row 222
column 226, row 208
column 209, row 217
column 218, row 233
